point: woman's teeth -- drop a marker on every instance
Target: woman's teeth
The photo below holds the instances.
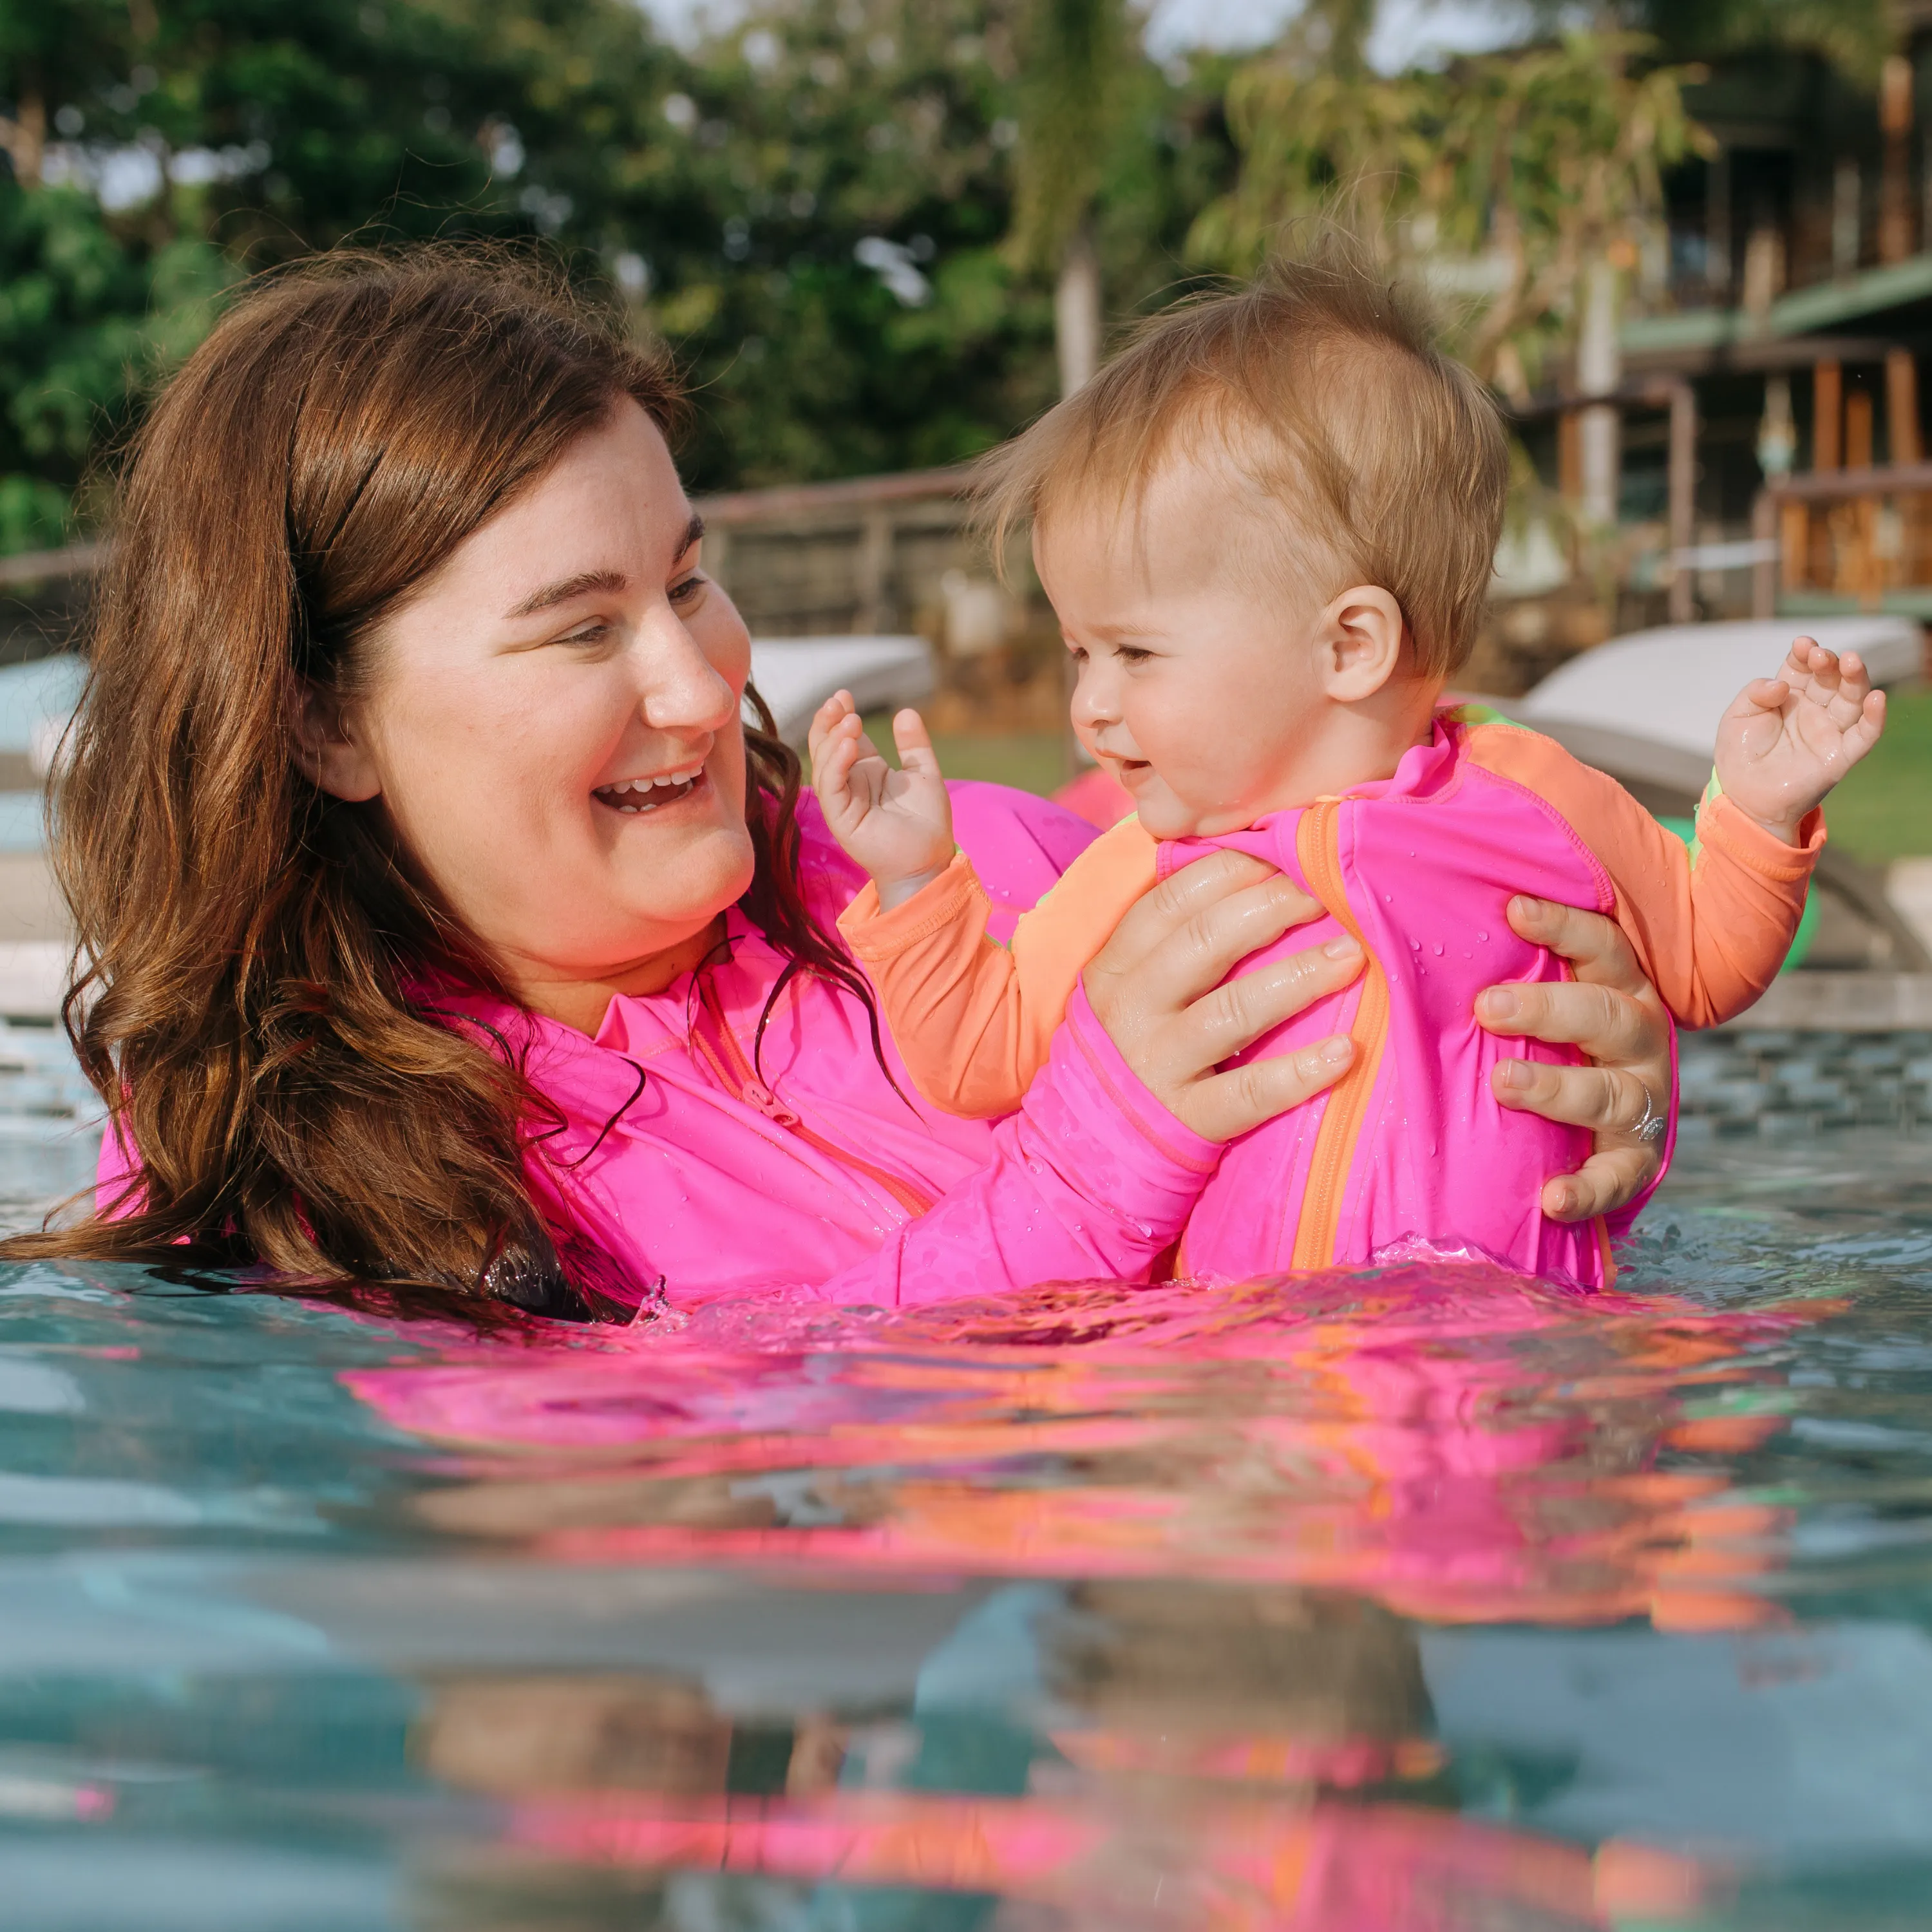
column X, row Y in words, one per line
column 635, row 795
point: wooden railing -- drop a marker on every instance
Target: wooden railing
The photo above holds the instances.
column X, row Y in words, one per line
column 863, row 556
column 1851, row 533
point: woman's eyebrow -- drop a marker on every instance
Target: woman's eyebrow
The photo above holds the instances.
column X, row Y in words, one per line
column 586, row 581
column 565, row 588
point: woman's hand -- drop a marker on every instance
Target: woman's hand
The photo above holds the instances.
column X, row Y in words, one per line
column 1156, row 987
column 1612, row 1012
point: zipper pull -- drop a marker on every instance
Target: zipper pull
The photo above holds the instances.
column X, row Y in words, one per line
column 755, row 1094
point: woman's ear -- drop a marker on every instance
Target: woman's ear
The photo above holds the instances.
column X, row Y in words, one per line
column 329, row 751
column 1362, row 636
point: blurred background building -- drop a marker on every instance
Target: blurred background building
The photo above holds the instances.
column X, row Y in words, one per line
column 1689, row 242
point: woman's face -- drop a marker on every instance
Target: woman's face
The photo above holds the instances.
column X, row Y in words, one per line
column 552, row 722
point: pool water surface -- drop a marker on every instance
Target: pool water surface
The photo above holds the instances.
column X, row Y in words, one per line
column 1433, row 1599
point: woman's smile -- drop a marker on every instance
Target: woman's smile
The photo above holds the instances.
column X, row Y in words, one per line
column 633, row 796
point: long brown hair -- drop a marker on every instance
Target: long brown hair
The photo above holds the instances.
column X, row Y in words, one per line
column 246, row 997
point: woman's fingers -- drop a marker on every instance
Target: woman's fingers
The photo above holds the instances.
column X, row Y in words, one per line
column 1612, row 1012
column 1224, row 1105
column 1235, row 1014
column 1595, row 945
column 1605, row 1024
column 1611, row 1178
column 1157, row 987
column 1192, row 928
column 1605, row 1098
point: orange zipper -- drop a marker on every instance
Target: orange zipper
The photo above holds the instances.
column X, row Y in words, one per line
column 1318, row 846
column 741, row 1081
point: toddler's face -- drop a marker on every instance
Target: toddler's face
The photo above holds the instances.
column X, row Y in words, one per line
column 1199, row 680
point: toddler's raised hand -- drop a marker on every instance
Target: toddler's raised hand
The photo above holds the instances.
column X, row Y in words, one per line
column 898, row 824
column 1789, row 739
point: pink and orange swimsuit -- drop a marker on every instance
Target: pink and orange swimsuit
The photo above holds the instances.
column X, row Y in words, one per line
column 1410, row 1151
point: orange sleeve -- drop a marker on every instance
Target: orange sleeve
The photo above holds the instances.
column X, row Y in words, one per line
column 1712, row 922
column 972, row 1020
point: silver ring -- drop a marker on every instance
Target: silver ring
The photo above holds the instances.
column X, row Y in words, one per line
column 1654, row 1126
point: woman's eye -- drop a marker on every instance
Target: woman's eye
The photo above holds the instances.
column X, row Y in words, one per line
column 592, row 633
column 686, row 588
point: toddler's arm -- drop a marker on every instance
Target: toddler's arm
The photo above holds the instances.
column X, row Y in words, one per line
column 1711, row 929
column 973, row 1021
column 1789, row 739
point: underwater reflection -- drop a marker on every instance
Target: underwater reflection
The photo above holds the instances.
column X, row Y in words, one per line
column 1189, row 1529
column 1462, row 1445
column 1114, row 1754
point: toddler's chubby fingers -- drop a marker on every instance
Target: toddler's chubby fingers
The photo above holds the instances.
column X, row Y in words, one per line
column 825, row 723
column 915, row 745
column 1865, row 731
column 1764, row 694
column 832, row 770
column 1802, row 658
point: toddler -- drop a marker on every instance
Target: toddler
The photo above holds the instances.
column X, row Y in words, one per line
column 1268, row 529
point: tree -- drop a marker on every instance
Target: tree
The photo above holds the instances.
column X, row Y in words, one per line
column 1505, row 180
column 816, row 208
column 1854, row 35
column 1076, row 52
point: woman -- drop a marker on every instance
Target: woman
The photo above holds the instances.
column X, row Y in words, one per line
column 442, row 928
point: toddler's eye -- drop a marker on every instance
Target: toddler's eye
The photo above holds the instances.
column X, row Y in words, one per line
column 1133, row 654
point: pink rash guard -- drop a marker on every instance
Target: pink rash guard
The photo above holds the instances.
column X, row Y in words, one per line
column 812, row 1177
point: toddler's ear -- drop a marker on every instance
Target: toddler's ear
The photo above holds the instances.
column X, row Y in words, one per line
column 1362, row 633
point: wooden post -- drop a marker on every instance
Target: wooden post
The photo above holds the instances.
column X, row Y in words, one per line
column 1905, row 445
column 1901, row 407
column 1859, row 429
column 1827, row 416
column 1794, row 545
column 875, row 571
column 1895, row 202
column 1860, row 571
column 1717, row 226
column 1570, row 457
column 1764, row 584
column 1683, row 496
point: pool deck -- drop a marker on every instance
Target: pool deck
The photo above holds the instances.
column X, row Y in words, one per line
column 34, row 944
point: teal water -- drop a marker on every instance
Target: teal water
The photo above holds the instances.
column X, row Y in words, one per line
column 1428, row 1600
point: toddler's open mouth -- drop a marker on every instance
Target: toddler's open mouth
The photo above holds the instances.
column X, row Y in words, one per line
column 632, row 796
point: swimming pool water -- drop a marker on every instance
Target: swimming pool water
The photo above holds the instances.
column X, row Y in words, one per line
column 1428, row 1600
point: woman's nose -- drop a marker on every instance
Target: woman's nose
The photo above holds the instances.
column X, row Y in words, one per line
column 683, row 690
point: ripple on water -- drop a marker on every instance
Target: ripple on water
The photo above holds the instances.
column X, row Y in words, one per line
column 1425, row 1598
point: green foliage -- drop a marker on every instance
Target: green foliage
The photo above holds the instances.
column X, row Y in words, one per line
column 1855, row 35
column 1074, row 59
column 1500, row 179
column 84, row 314
column 814, row 208
column 1883, row 810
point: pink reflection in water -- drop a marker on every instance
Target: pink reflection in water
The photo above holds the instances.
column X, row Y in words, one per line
column 1234, row 1489
column 1460, row 1443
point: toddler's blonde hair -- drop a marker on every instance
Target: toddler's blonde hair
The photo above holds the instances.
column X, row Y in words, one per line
column 1379, row 459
